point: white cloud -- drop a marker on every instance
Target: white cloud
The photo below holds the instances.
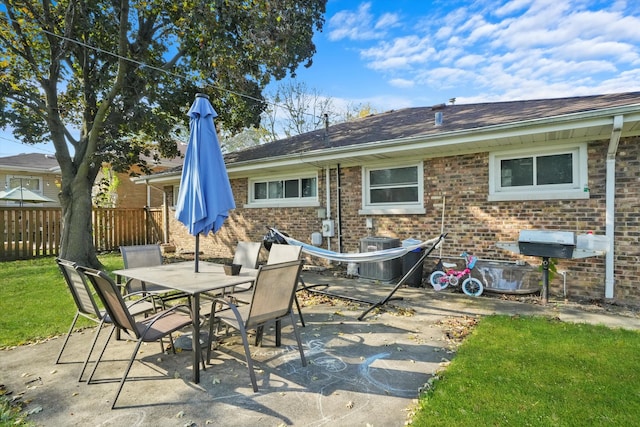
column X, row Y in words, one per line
column 387, row 21
column 360, row 25
column 469, row 61
column 401, row 53
column 502, row 49
column 402, row 83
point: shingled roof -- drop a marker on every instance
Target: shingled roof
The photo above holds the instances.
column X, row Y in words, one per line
column 419, row 121
column 34, row 162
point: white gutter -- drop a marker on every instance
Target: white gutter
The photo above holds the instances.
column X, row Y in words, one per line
column 618, row 121
column 467, row 140
column 449, row 141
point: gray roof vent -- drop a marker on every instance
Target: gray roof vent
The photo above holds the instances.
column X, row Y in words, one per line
column 438, row 114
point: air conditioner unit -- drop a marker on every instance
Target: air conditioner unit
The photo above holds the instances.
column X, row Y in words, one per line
column 384, row 271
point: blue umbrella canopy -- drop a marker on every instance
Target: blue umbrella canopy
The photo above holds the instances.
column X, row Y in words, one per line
column 205, row 196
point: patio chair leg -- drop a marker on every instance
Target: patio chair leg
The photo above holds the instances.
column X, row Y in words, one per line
column 278, row 333
column 259, row 333
column 297, row 334
column 247, row 353
column 93, row 344
column 93, row 371
column 299, row 311
column 126, row 372
column 64, row 344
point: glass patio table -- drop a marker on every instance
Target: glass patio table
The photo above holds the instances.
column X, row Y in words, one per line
column 181, row 276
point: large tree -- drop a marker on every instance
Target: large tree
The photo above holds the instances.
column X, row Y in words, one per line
column 108, row 82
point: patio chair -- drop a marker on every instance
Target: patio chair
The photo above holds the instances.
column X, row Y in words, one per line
column 277, row 253
column 271, row 300
column 146, row 256
column 87, row 307
column 247, row 255
column 282, row 253
column 155, row 328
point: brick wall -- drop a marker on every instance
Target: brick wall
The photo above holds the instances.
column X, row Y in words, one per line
column 473, row 223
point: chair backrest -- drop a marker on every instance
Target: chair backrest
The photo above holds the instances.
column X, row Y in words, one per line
column 273, row 292
column 283, row 253
column 111, row 298
column 141, row 256
column 80, row 289
column 247, row 254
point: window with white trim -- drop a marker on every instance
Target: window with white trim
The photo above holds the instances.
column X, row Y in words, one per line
column 174, row 198
column 549, row 173
column 393, row 189
column 32, row 183
column 290, row 190
column 29, row 182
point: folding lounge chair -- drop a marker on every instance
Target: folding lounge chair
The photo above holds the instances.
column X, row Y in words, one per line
column 150, row 329
column 271, row 300
column 87, row 307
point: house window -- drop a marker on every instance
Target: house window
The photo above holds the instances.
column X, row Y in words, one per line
column 557, row 173
column 283, row 191
column 174, row 198
column 29, row 182
column 397, row 189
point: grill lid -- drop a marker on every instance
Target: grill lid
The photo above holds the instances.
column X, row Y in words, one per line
column 566, row 238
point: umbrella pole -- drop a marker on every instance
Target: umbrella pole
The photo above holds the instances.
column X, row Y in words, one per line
column 197, row 252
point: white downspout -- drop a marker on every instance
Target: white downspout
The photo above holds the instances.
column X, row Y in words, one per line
column 618, row 121
column 327, row 177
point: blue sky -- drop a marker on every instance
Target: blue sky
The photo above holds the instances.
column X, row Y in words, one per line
column 403, row 53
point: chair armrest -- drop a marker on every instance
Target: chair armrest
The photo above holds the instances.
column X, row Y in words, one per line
column 144, row 296
column 230, row 306
column 164, row 313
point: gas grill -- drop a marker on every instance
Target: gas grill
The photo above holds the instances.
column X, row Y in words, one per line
column 548, row 244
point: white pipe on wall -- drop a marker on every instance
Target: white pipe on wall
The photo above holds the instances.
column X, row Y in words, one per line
column 609, row 286
column 327, row 177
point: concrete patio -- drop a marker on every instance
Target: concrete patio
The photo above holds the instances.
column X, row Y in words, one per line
column 360, row 373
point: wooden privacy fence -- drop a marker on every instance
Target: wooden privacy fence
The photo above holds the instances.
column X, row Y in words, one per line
column 31, row 232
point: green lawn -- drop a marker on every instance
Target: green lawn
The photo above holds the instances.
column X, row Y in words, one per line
column 35, row 302
column 528, row 371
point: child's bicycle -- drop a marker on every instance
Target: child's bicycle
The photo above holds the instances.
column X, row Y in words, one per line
column 442, row 278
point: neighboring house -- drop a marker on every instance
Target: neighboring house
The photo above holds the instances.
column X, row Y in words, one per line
column 39, row 173
column 480, row 172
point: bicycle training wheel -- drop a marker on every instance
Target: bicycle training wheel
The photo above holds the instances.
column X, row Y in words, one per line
column 472, row 287
column 439, row 280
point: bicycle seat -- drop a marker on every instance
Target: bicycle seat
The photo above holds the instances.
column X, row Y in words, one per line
column 448, row 265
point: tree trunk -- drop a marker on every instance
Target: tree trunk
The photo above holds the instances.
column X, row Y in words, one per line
column 77, row 227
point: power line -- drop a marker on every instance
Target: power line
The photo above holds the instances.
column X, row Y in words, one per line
column 31, row 146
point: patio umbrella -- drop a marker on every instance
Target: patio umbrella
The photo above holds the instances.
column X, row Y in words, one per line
column 205, row 196
column 24, row 195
